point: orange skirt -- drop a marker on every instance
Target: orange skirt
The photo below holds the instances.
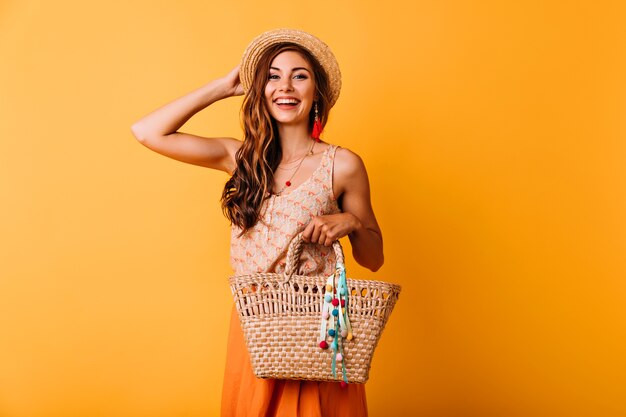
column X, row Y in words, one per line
column 244, row 395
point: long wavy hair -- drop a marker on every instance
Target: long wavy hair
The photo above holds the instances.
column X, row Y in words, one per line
column 259, row 155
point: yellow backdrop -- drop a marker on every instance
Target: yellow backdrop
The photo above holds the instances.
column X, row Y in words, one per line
column 493, row 133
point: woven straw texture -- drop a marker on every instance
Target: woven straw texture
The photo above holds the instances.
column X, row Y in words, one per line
column 280, row 316
column 315, row 46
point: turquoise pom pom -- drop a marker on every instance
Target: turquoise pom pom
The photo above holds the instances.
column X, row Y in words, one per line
column 331, row 333
column 335, row 312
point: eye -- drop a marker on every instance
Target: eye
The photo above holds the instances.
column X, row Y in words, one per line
column 273, row 77
column 301, row 76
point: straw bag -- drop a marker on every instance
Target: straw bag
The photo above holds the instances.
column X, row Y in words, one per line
column 296, row 328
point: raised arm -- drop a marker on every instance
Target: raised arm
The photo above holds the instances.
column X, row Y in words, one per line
column 159, row 130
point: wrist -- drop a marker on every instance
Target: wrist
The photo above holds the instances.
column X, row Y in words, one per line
column 227, row 88
column 218, row 89
column 357, row 226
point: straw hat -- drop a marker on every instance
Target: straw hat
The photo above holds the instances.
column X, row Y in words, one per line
column 315, row 46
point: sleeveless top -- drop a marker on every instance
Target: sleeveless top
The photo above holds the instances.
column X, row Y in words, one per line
column 263, row 248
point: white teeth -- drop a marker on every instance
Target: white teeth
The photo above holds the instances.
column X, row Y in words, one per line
column 286, row 101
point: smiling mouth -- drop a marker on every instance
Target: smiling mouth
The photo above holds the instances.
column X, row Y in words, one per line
column 286, row 104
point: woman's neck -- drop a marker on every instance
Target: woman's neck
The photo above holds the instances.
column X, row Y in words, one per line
column 294, row 140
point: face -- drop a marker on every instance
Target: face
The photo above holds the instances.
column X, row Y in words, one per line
column 290, row 88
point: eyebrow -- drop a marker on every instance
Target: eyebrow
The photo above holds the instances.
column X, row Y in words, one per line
column 294, row 69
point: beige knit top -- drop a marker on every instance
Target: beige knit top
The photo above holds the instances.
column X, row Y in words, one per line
column 264, row 247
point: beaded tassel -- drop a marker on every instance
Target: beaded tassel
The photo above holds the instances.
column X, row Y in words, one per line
column 335, row 319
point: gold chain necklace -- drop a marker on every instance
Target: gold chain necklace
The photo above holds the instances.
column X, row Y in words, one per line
column 288, row 182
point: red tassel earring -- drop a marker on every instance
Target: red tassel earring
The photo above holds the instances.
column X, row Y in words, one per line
column 317, row 126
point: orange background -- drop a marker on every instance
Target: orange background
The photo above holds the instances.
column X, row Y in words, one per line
column 493, row 133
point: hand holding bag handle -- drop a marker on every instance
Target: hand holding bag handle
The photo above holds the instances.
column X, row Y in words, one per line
column 294, row 251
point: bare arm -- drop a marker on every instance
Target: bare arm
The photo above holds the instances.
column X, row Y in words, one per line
column 159, row 130
column 357, row 219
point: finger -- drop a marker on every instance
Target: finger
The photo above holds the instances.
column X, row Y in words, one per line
column 325, row 234
column 315, row 235
column 306, row 233
column 322, row 237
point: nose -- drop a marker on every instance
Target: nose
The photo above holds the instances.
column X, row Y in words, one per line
column 285, row 84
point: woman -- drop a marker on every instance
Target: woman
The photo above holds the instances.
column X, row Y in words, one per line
column 284, row 180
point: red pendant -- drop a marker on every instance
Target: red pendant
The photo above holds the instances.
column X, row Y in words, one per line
column 288, row 183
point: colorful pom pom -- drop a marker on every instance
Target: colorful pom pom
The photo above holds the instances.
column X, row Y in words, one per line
column 325, row 315
column 329, row 288
column 331, row 332
column 350, row 336
column 335, row 302
column 343, row 384
column 344, row 333
column 323, row 344
column 343, row 303
column 342, row 291
column 328, row 298
column 335, row 312
column 339, row 357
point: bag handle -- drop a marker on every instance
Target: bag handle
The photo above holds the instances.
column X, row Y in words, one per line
column 295, row 250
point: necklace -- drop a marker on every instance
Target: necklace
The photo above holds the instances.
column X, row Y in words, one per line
column 288, row 182
column 286, row 167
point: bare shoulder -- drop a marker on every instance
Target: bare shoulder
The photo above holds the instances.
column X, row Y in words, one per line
column 349, row 170
column 347, row 162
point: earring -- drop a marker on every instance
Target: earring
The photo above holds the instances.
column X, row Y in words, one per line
column 317, row 126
